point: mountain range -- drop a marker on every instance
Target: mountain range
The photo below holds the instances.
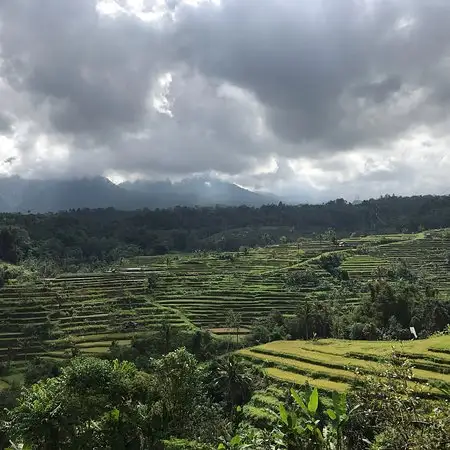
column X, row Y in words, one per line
column 38, row 196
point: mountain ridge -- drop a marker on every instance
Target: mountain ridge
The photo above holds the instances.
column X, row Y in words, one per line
column 39, row 196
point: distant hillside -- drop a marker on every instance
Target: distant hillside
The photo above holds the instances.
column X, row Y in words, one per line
column 103, row 234
column 200, row 191
column 20, row 195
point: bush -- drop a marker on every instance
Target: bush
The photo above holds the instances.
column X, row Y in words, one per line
column 331, row 263
column 38, row 331
column 9, row 272
column 396, row 272
column 392, row 415
column 395, row 331
column 364, row 331
column 4, row 368
column 362, row 249
column 40, row 369
column 152, row 282
column 183, row 444
column 302, row 277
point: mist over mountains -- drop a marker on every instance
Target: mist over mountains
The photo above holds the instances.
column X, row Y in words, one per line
column 38, row 196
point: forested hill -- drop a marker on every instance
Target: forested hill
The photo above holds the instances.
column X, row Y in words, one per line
column 386, row 214
column 107, row 234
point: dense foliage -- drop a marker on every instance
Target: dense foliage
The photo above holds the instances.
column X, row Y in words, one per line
column 172, row 387
column 96, row 236
column 175, row 404
column 394, row 300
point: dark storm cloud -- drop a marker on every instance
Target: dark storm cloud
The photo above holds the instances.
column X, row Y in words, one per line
column 208, row 130
column 311, row 63
column 251, row 81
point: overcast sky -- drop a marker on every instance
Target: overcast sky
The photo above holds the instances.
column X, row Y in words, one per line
column 307, row 98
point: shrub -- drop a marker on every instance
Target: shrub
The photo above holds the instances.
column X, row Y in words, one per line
column 302, row 277
column 331, row 262
column 184, row 444
column 38, row 331
column 362, row 249
column 396, row 272
column 4, row 368
column 9, row 272
column 40, row 369
column 392, row 414
column 152, row 282
column 364, row 331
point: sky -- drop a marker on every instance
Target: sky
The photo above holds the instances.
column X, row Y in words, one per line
column 308, row 99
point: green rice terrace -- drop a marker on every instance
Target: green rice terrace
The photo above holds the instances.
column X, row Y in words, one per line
column 89, row 311
column 332, row 364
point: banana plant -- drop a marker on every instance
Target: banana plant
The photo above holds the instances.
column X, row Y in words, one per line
column 339, row 416
column 301, row 426
column 305, row 427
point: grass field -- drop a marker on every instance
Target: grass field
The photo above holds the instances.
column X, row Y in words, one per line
column 332, row 364
column 89, row 311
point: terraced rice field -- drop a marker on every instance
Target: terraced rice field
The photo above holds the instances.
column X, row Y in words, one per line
column 205, row 287
column 363, row 266
column 89, row 311
column 86, row 311
column 332, row 364
column 426, row 254
column 263, row 407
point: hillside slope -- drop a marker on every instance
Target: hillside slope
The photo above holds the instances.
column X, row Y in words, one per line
column 51, row 317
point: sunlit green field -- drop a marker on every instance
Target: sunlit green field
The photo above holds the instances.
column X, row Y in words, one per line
column 332, row 364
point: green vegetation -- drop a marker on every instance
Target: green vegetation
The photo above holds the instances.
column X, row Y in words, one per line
column 84, row 313
column 339, row 361
column 68, row 241
column 178, row 403
column 255, row 295
column 112, row 336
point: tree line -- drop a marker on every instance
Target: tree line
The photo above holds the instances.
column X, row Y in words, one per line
column 105, row 235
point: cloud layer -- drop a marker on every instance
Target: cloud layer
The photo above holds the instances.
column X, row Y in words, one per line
column 308, row 99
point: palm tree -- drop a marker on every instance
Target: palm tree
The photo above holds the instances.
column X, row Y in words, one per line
column 233, row 379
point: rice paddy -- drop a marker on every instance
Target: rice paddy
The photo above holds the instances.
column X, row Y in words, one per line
column 332, row 364
column 82, row 312
column 86, row 312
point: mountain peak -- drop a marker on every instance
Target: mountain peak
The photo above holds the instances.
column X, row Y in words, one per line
column 24, row 195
